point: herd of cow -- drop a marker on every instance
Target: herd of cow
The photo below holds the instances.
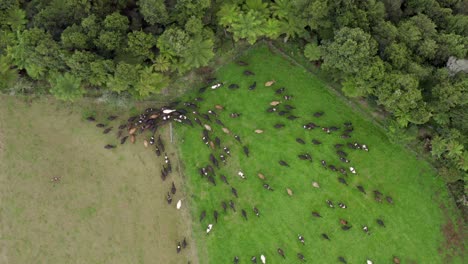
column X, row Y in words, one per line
column 188, row 113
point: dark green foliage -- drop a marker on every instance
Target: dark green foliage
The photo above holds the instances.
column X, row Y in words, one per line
column 394, row 51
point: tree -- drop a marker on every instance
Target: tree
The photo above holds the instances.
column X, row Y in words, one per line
column 185, row 9
column 173, row 42
column 349, row 52
column 74, row 38
column 312, row 52
column 154, row 11
column 16, row 19
column 140, row 44
column 162, row 64
column 227, row 14
column 8, row 76
column 247, row 26
column 66, row 87
column 149, row 82
column 198, row 53
column 125, row 77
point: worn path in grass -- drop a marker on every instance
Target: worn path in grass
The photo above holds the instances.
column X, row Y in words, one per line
column 109, row 205
column 412, row 224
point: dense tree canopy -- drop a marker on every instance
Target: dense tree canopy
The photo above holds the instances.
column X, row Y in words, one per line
column 391, row 51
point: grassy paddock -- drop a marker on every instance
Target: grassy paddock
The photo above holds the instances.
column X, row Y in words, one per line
column 109, row 205
column 413, row 223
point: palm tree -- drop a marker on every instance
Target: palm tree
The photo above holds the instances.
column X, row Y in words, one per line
column 248, row 26
column 66, row 87
column 198, row 53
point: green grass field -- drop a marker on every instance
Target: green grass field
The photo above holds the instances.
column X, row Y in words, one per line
column 109, row 206
column 413, row 223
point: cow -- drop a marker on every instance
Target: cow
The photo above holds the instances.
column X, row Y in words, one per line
column 380, row 222
column 122, row 141
column 233, row 86
column 342, row 260
column 280, row 90
column 330, row 203
column 215, row 216
column 292, row 117
column 224, row 179
column 253, row 86
column 283, row 163
column 169, row 198
column 224, row 206
column 173, row 188
column 232, row 205
column 179, row 247
column 301, row 239
column 300, row 141
column 316, row 214
column 208, row 229
column 244, row 214
column 256, row 211
column 361, row 189
column 281, row 253
column 246, row 151
column 202, row 215
column 300, row 257
column 109, row 146
column 234, row 192
column 316, row 142
column 248, row 73
column 325, row 236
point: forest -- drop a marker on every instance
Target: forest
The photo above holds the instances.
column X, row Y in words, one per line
column 392, row 52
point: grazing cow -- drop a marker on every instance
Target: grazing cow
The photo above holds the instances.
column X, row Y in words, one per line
column 228, row 152
column 212, row 180
column 279, row 126
column 369, row 261
column 289, row 107
column 242, row 63
column 282, row 113
column 258, row 131
column 238, row 138
column 305, row 157
column 122, row 141
column 343, row 222
column 219, row 122
column 122, row 126
column 332, row 167
column 315, row 184
column 343, row 171
column 280, row 90
column 378, row 196
column 344, row 160
column 365, row 229
column 271, row 109
column 346, row 227
column 316, row 142
column 287, row 97
column 163, row 175
column 261, row 176
column 161, row 144
column 145, row 143
column 202, row 215
column 343, row 181
column 214, row 160
column 289, row 191
column 364, row 147
column 396, row 260
column 236, row 260
column 256, row 212
column 344, row 135
column 248, row 73
column 263, row 259
column 208, row 229
column 217, row 142
column 326, row 129
column 109, row 146
column 361, row 189
column 91, row 118
column 300, row 141
column 300, row 257
column 234, row 115
column 380, row 222
column 333, row 128
column 215, row 216
column 253, row 259
column 330, row 203
column 253, row 86
column 342, row 260
column 342, row 205
column 107, row 130
column 283, row 163
column 101, row 125
column 207, row 127
column 319, row 114
column 219, row 107
column 353, row 171
column 324, row 163
column 112, row 117
column 234, row 192
column 268, row 187
column 232, row 205
column 179, row 204
column 224, row 205
column 275, row 103
column 244, row 214
column 389, row 199
column 339, row 146
column 246, row 151
column 325, row 236
column 270, row 83
column 151, row 140
column 206, row 117
column 222, row 158
column 316, row 214
column 169, row 198
column 233, row 86
column 301, row 239
column 179, row 247
column 342, row 153
column 216, row 85
column 281, row 252
column 292, row 117
column 173, row 188
column 241, row 174
column 197, row 121
column 224, row 179
column 184, row 243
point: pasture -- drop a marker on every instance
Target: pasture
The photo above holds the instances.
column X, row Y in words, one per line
column 107, row 206
column 413, row 223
